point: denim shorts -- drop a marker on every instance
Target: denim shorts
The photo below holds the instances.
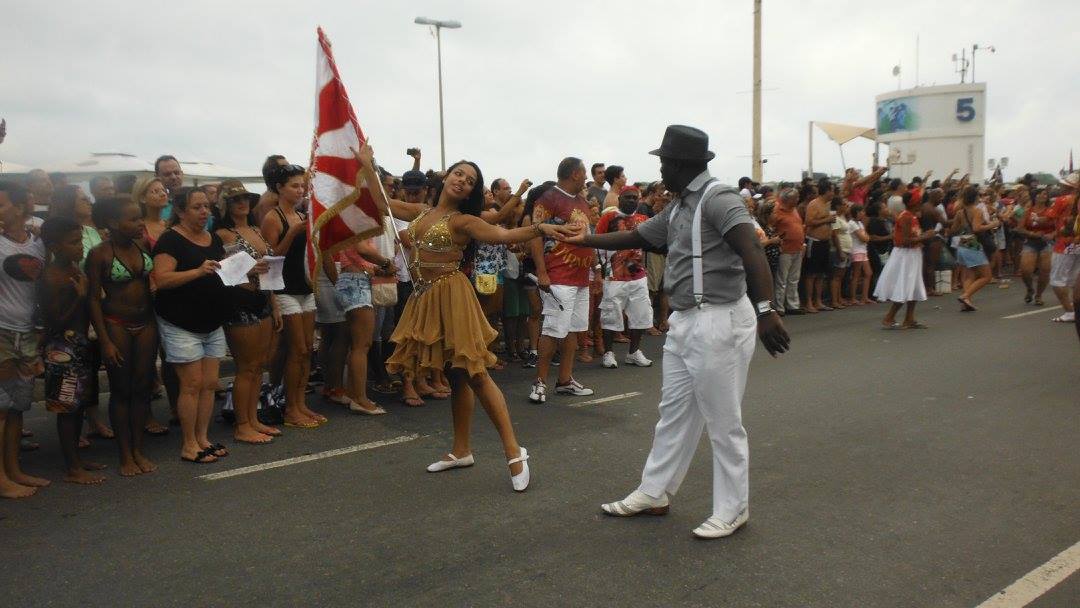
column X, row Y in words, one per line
column 353, row 290
column 183, row 346
column 971, row 258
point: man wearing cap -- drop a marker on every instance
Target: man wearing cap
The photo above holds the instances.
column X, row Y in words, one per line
column 714, row 261
column 626, row 285
column 1065, row 259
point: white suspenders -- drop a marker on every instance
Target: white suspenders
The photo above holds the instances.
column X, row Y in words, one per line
column 695, row 238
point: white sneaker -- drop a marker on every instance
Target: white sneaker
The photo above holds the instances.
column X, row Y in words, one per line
column 714, row 527
column 573, row 388
column 637, row 502
column 453, row 463
column 609, row 360
column 637, row 358
column 539, row 392
column 521, row 480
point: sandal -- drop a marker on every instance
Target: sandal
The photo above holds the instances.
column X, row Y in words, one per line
column 891, row 326
column 201, row 457
column 1028, row 296
column 966, row 305
column 219, row 450
column 302, row 425
column 1039, row 302
column 412, row 401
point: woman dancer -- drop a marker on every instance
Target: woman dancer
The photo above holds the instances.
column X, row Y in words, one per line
column 120, row 269
column 1037, row 228
column 901, row 280
column 970, row 253
column 253, row 315
column 442, row 326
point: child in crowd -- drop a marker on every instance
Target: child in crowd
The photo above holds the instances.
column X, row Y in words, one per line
column 22, row 260
column 841, row 251
column 69, row 362
column 859, row 295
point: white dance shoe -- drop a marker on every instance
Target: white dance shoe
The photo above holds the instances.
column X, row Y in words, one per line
column 521, row 480
column 453, row 463
column 714, row 527
column 637, row 502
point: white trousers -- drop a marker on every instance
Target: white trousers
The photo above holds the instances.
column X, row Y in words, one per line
column 706, row 359
column 786, row 282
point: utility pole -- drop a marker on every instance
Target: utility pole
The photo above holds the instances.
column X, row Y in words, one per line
column 756, row 146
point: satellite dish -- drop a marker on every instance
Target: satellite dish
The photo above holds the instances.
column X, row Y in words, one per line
column 896, row 70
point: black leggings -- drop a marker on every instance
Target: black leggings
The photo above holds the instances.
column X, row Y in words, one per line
column 130, row 384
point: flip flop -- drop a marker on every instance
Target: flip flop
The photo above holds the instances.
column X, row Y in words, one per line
column 200, row 458
column 891, row 327
column 161, row 431
column 305, row 425
column 269, row 439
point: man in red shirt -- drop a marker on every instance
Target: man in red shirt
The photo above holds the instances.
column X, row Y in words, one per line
column 1065, row 260
column 626, row 286
column 788, row 224
column 562, row 272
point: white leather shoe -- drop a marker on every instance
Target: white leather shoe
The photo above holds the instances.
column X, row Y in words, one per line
column 714, row 527
column 453, row 463
column 637, row 358
column 609, row 361
column 521, row 480
column 637, row 502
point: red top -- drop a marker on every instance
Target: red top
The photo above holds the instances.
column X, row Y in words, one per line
column 858, row 195
column 1060, row 212
column 1042, row 223
column 621, row 260
column 790, row 224
column 566, row 264
column 906, row 217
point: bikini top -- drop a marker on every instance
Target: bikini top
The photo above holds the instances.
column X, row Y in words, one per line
column 247, row 247
column 437, row 239
column 120, row 273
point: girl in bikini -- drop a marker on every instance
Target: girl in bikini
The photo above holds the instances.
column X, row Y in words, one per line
column 121, row 312
column 442, row 326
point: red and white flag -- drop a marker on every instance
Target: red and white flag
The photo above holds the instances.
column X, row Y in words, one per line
column 340, row 214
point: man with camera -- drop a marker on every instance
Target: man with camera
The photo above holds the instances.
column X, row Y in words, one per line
column 626, row 287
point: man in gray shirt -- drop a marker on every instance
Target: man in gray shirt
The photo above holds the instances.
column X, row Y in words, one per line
column 712, row 332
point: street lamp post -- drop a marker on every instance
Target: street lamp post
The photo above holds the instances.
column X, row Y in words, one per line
column 438, row 25
column 974, row 48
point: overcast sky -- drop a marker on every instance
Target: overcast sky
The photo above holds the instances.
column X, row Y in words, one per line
column 526, row 83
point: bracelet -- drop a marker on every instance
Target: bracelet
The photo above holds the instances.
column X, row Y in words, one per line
column 539, row 232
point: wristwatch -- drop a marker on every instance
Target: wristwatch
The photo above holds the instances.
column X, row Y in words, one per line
column 764, row 307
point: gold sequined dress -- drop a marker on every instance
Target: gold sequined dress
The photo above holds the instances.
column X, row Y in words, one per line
column 442, row 322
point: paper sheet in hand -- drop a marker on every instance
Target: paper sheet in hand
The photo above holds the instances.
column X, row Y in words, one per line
column 234, row 268
column 273, row 279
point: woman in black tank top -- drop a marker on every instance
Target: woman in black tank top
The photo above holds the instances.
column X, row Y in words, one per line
column 285, row 230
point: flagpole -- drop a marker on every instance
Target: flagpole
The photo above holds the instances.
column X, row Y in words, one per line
column 390, row 214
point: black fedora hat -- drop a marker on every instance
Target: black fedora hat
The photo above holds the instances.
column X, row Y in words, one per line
column 684, row 143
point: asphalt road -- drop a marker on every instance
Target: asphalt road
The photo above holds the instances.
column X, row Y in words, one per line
column 888, row 468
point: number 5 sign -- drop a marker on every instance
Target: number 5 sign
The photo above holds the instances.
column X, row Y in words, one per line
column 965, row 109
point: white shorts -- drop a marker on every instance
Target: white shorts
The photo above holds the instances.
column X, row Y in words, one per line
column 566, row 309
column 1064, row 267
column 290, row 304
column 629, row 297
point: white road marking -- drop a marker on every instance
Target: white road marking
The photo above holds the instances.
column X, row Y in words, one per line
column 605, row 399
column 307, row 458
column 1037, row 582
column 1032, row 312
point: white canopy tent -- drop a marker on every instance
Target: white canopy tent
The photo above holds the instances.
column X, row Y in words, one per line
column 839, row 133
column 197, row 171
column 105, row 163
